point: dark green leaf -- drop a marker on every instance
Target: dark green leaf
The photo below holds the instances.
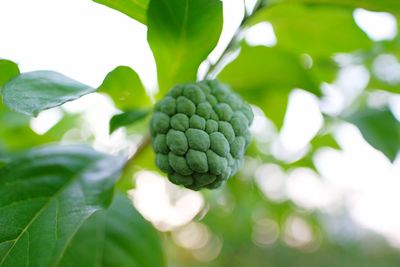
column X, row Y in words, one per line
column 317, row 30
column 379, row 128
column 45, row 195
column 265, row 76
column 181, row 34
column 3, row 160
column 32, row 92
column 127, row 118
column 135, row 9
column 118, row 236
column 125, row 88
column 8, row 70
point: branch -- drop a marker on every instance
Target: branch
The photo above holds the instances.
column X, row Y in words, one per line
column 236, row 39
column 141, row 147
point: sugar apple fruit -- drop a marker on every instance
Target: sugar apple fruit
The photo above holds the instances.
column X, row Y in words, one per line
column 200, row 132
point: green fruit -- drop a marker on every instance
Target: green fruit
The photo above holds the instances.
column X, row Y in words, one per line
column 200, row 132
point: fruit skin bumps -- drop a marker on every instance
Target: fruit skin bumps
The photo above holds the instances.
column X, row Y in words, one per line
column 199, row 133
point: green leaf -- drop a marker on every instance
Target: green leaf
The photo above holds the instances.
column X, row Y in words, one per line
column 135, row 9
column 324, row 140
column 181, row 34
column 3, row 159
column 32, row 92
column 20, row 137
column 383, row 5
column 324, row 69
column 118, row 236
column 384, row 55
column 376, row 83
column 317, row 30
column 379, row 128
column 265, row 76
column 321, row 140
column 45, row 195
column 125, row 88
column 127, row 118
column 15, row 131
column 8, row 70
column 144, row 160
column 68, row 122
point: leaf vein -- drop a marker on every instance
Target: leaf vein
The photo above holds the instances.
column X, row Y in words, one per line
column 41, row 210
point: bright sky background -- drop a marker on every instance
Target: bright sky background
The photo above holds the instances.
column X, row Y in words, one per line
column 85, row 41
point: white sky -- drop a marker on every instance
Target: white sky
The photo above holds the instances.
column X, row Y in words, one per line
column 79, row 38
column 85, row 41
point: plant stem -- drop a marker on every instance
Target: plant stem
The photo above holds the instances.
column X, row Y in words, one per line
column 236, row 38
column 141, row 147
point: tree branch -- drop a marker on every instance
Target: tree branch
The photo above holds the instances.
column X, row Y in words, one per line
column 141, row 147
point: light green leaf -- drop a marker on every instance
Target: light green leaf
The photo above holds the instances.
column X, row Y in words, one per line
column 324, row 140
column 379, row 128
column 32, row 92
column 265, row 76
column 127, row 118
column 118, row 236
column 374, row 5
column 8, row 70
column 15, row 132
column 181, row 34
column 317, row 30
column 385, row 52
column 135, row 9
column 45, row 195
column 376, row 83
column 145, row 160
column 68, row 122
column 17, row 137
column 324, row 69
column 125, row 88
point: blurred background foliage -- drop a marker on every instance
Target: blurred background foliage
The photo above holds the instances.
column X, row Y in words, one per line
column 264, row 216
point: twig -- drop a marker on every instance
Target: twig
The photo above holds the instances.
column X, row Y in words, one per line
column 141, row 147
column 237, row 37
